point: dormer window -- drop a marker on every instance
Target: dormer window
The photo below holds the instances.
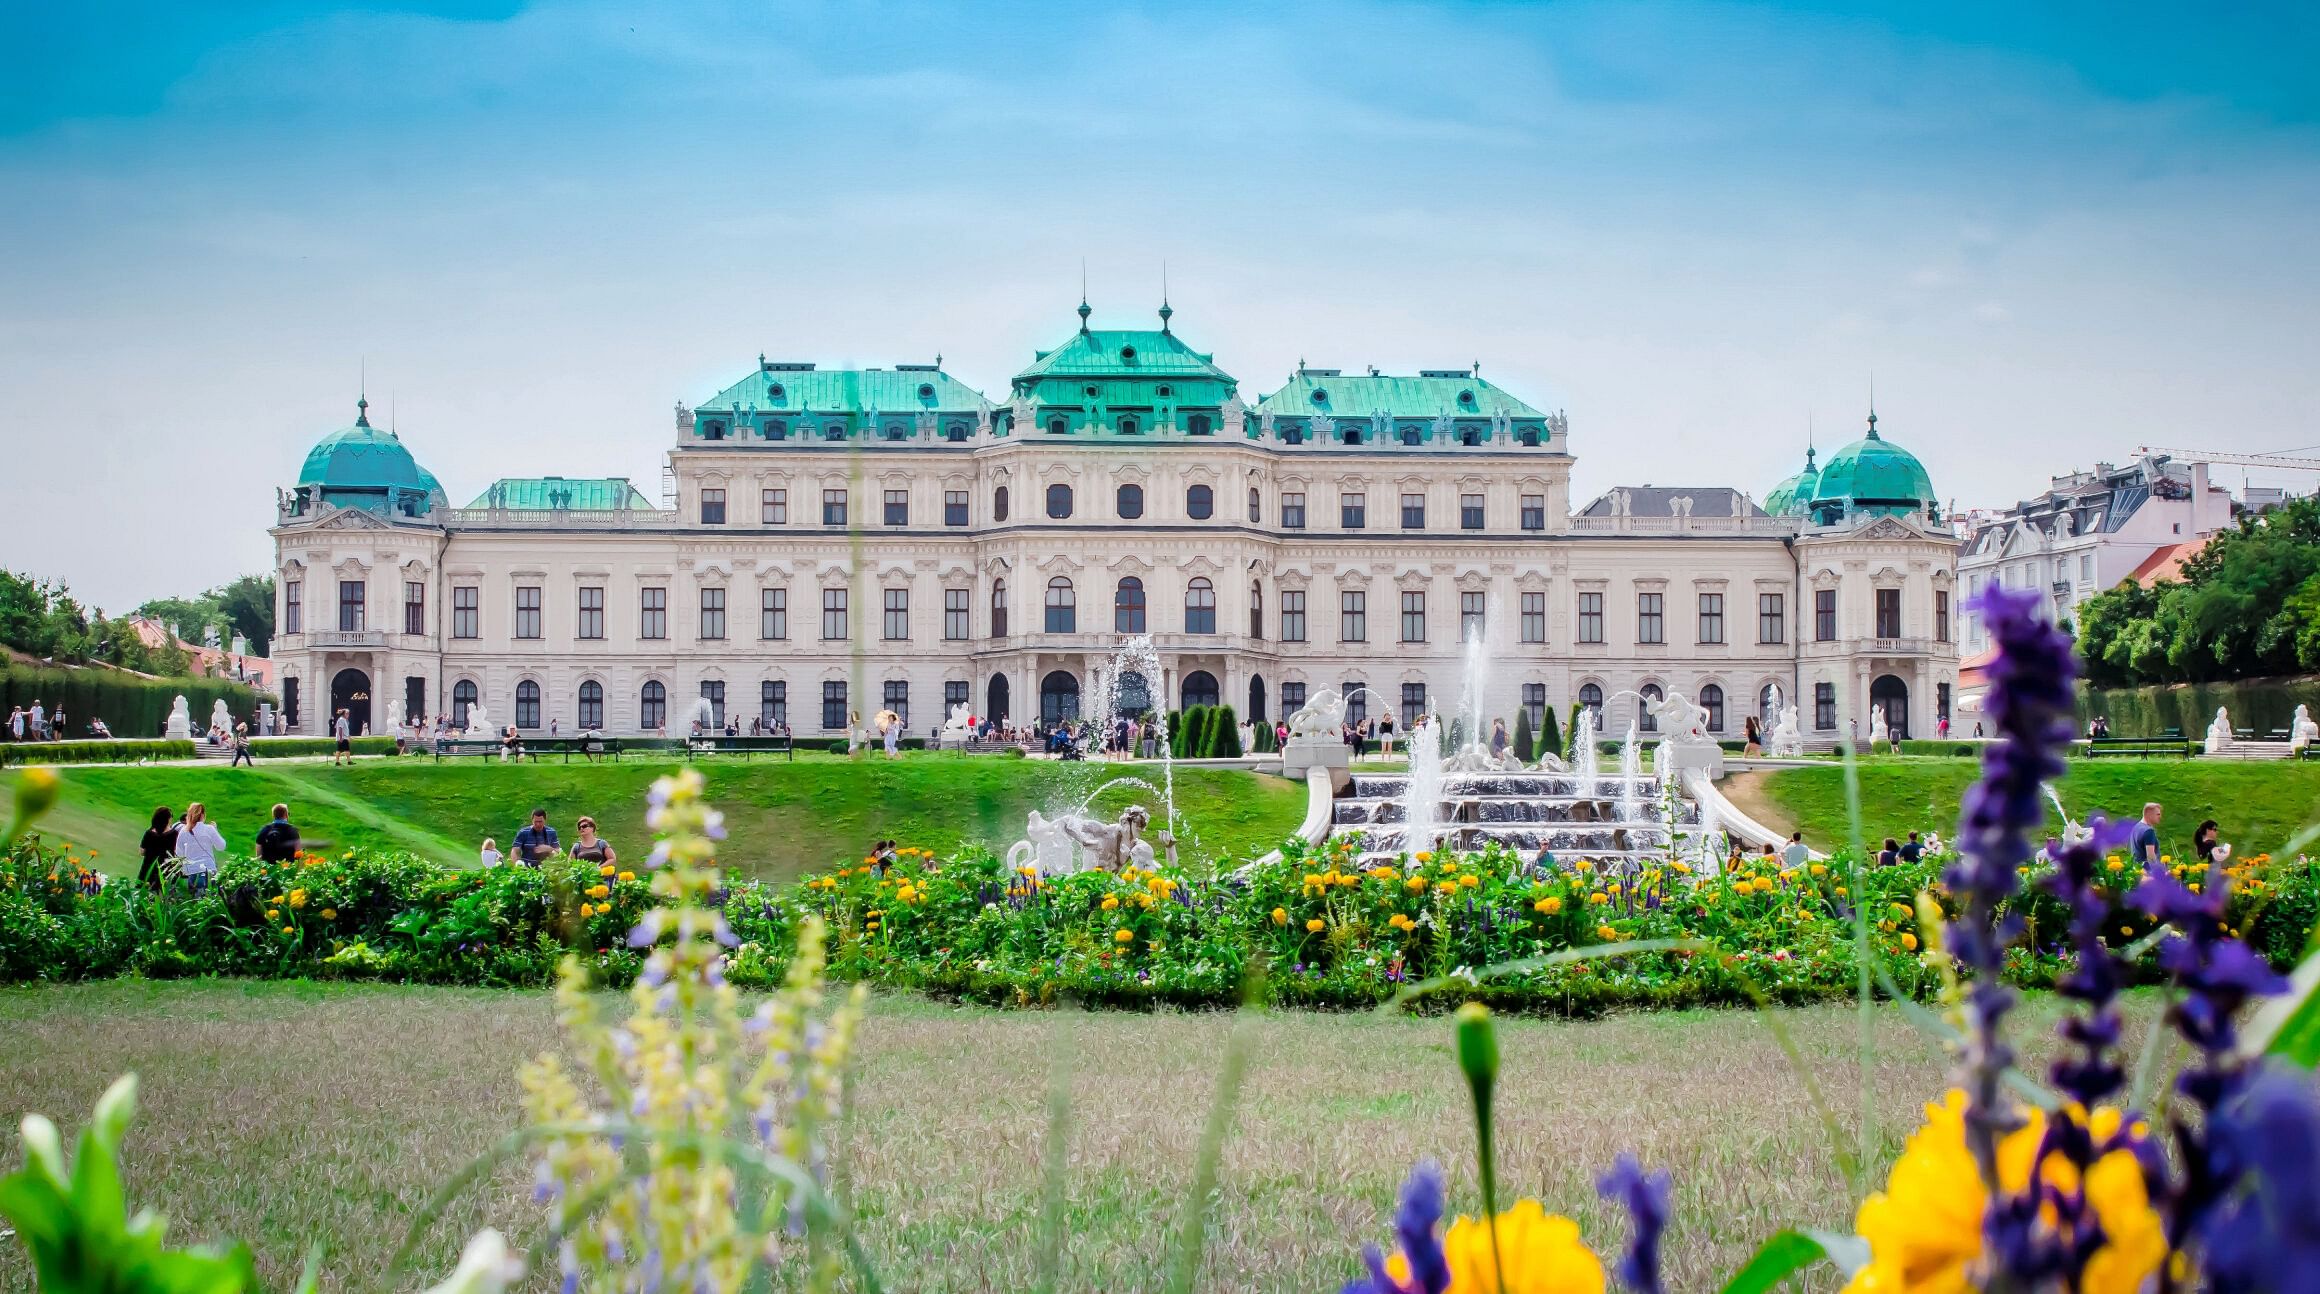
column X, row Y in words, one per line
column 713, row 431
column 1409, row 435
column 1320, row 395
column 1197, row 425
column 1128, row 426
column 835, row 431
column 1127, row 354
column 1165, row 391
column 1465, row 399
column 1351, row 436
column 1470, row 437
column 926, row 390
column 958, row 431
column 776, row 392
column 1530, row 438
column 775, row 429
column 1058, row 425
column 896, row 431
column 1293, row 435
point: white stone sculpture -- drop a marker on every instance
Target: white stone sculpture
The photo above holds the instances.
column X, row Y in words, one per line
column 1045, row 847
column 1324, row 715
column 220, row 718
column 478, row 719
column 1877, row 728
column 1070, row 841
column 2219, row 732
column 1477, row 758
column 1787, row 738
column 960, row 726
column 2302, row 731
column 180, row 720
column 1683, row 723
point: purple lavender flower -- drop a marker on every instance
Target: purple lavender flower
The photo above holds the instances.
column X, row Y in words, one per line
column 1416, row 1225
column 2268, row 1237
column 1645, row 1197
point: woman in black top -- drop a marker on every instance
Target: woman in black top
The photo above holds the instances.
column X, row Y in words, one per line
column 2207, row 842
column 158, row 847
column 1890, row 855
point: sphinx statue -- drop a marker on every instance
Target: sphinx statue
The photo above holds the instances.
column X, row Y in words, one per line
column 2219, row 737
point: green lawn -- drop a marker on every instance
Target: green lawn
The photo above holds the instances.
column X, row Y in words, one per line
column 283, row 1114
column 2260, row 806
column 784, row 817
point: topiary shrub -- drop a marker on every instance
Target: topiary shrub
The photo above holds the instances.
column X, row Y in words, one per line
column 1522, row 735
column 1224, row 734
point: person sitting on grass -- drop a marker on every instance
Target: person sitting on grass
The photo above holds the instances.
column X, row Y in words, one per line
column 592, row 848
column 1914, row 849
column 1890, row 855
column 536, row 843
column 278, row 840
column 489, row 855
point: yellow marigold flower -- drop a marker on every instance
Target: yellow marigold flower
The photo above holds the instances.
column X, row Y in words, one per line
column 1144, row 901
column 2113, row 865
column 1606, row 933
column 1585, row 864
column 297, row 898
column 273, row 914
column 1549, row 905
column 1925, row 1228
column 289, row 930
column 1900, row 911
column 1111, row 902
column 1416, row 883
column 330, row 914
column 1280, row 916
column 605, row 870
column 1470, row 881
column 1123, row 936
column 1424, row 856
column 1909, row 941
column 626, row 877
column 1446, row 887
column 1820, row 869
column 1316, row 926
column 1543, row 1254
column 586, row 911
column 599, row 891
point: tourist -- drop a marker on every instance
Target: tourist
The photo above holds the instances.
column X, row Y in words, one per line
column 1796, row 854
column 1280, row 733
column 1941, row 728
column 278, row 840
column 1977, row 730
column 1498, row 738
column 592, row 848
column 511, row 746
column 342, row 729
column 2207, row 843
column 854, row 735
column 1385, row 734
column 1754, row 733
column 242, row 747
column 890, row 732
column 1890, row 855
column 489, row 855
column 1733, row 855
column 2146, row 843
column 1914, row 850
column 554, row 726
column 56, row 723
column 16, row 724
column 535, row 843
column 98, row 730
column 157, row 848
column 38, row 719
column 1546, row 858
column 1770, row 855
column 198, row 843
column 1248, row 733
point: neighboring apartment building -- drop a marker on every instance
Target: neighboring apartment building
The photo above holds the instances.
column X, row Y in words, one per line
column 838, row 542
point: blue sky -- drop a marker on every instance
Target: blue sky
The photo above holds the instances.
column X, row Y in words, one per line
column 2050, row 233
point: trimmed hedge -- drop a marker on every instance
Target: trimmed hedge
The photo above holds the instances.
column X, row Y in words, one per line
column 92, row 752
column 275, row 747
column 130, row 704
column 2263, row 704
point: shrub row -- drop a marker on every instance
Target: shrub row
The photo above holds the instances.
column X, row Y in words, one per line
column 93, row 752
column 130, row 704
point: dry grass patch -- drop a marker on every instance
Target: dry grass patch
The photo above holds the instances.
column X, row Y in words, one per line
column 282, row 1113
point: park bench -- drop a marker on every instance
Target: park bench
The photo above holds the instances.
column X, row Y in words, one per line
column 2139, row 747
column 720, row 744
column 591, row 747
column 457, row 747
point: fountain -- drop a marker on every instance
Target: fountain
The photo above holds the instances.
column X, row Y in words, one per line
column 1138, row 657
column 1787, row 738
column 704, row 716
column 1585, row 758
column 1630, row 804
column 1421, row 828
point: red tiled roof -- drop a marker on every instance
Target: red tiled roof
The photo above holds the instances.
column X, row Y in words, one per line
column 2167, row 563
column 206, row 660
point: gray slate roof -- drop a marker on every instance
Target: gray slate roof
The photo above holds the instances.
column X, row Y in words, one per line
column 1654, row 501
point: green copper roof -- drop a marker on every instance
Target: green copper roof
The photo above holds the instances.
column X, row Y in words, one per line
column 1872, row 475
column 366, row 459
column 545, row 493
column 1128, row 353
column 1324, row 391
column 1792, row 496
column 792, row 388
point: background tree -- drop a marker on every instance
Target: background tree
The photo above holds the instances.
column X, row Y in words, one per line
column 2244, row 607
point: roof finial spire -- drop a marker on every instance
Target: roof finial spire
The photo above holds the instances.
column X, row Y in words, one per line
column 1084, row 312
column 1165, row 312
column 362, row 392
column 1872, row 405
column 1808, row 440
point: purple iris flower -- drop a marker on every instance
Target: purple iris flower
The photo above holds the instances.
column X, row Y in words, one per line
column 2268, row 1237
column 1645, row 1197
column 1417, row 1222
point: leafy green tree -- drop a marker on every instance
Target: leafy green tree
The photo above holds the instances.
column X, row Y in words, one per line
column 2245, row 606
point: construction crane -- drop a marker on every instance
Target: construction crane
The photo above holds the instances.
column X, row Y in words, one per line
column 2276, row 462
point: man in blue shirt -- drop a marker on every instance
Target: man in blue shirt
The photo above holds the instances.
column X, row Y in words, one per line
column 2147, row 838
column 536, row 842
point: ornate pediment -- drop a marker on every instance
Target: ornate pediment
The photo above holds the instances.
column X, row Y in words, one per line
column 352, row 519
column 1887, row 528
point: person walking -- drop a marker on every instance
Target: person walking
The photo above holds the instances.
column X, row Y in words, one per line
column 342, row 729
column 278, row 840
column 2146, row 843
column 157, row 849
column 38, row 719
column 1913, row 850
column 592, row 848
column 56, row 724
column 537, row 841
column 16, row 724
column 1753, row 731
column 2207, row 843
column 198, row 843
column 1498, row 738
column 242, row 747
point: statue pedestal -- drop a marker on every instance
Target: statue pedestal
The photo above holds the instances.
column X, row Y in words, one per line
column 1707, row 758
column 1318, row 750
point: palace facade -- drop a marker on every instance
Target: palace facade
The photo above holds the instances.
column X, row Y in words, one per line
column 838, row 541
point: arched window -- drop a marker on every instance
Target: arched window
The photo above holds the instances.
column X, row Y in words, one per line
column 999, row 504
column 1128, row 606
column 1199, row 689
column 591, row 706
column 1062, row 609
column 1256, row 506
column 1058, row 501
column 1768, row 705
column 1200, row 607
column 1058, row 425
column 958, row 431
column 1350, row 436
column 1712, row 701
column 1530, row 439
column 652, row 706
column 1256, row 698
column 527, row 704
column 999, row 607
column 1647, row 696
column 463, row 699
column 1058, row 697
column 835, row 431
column 1131, row 502
column 1128, row 425
column 1410, row 435
column 1200, row 502
column 1591, row 697
column 1256, row 610
column 1197, row 425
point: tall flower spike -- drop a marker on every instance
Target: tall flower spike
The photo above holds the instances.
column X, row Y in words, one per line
column 1645, row 1197
column 2268, row 1236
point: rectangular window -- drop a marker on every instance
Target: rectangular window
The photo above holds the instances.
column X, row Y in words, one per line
column 2086, row 568
column 833, row 614
column 1352, row 616
column 898, row 507
column 1825, row 706
column 773, row 614
column 1292, row 698
column 1413, row 512
column 713, row 691
column 1356, row 695
column 1888, row 613
column 466, row 611
column 1941, row 700
column 712, row 614
column 1413, row 616
column 1293, row 511
column 1292, row 620
column 897, row 619
column 414, row 607
column 1650, row 619
column 653, row 613
column 773, row 507
column 833, row 507
column 954, row 695
column 1352, row 511
column 897, row 697
column 712, row 507
column 1824, row 615
column 290, row 703
column 527, row 611
column 591, row 612
column 955, row 626
column 293, row 607
column 833, row 705
column 999, row 609
column 1771, row 618
column 954, row 507
column 1534, row 704
column 1413, row 703
column 1534, row 512
column 773, row 704
column 1470, row 627
column 1711, row 617
column 1590, row 617
column 351, row 595
column 1470, row 512
column 591, row 707
column 1534, row 617
column 1941, row 615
